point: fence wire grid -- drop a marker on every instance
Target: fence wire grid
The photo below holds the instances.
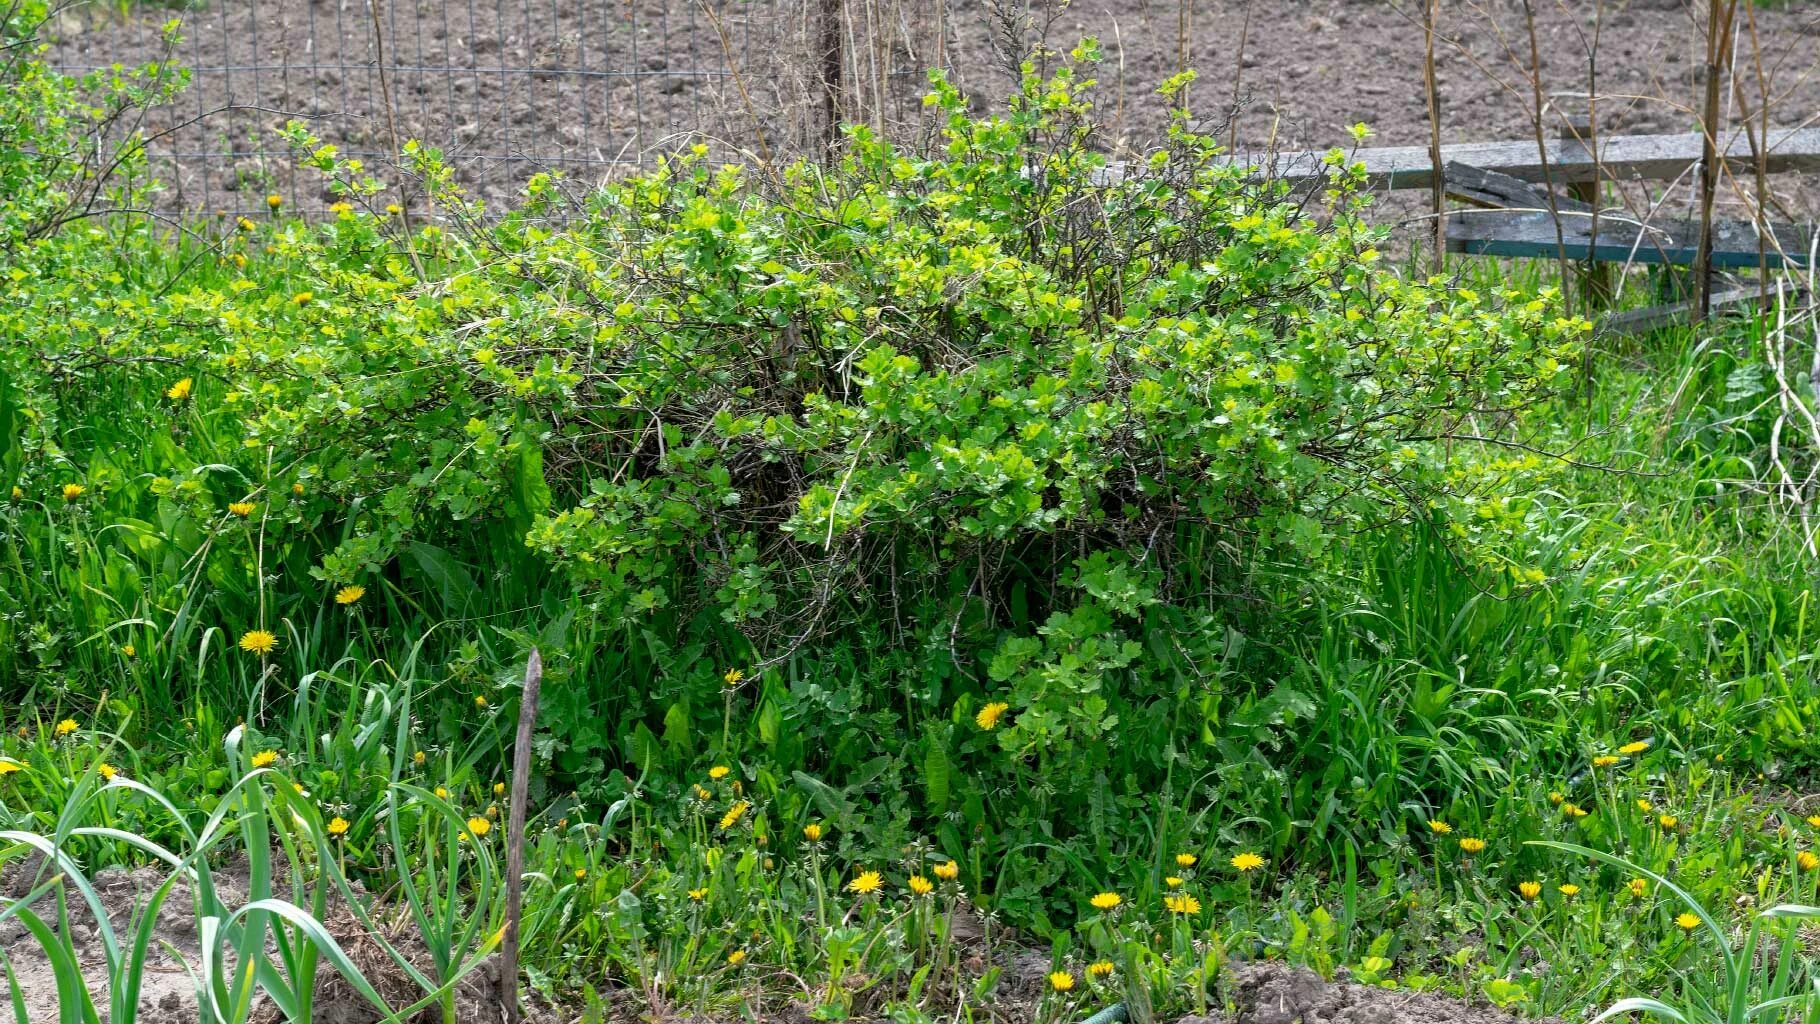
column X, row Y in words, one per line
column 506, row 88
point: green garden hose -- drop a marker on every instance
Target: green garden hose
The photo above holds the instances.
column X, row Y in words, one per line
column 1114, row 1014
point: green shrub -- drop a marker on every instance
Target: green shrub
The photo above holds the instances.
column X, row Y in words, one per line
column 899, row 439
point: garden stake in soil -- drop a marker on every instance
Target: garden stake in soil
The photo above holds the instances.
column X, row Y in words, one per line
column 515, row 831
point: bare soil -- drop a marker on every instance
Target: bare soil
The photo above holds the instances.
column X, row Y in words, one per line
column 594, row 87
column 1270, row 993
column 168, row 992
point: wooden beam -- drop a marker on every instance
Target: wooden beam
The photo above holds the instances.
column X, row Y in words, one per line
column 1620, row 157
column 1642, row 321
column 1524, row 234
column 1494, row 191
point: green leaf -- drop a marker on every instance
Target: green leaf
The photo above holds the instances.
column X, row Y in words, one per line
column 937, row 772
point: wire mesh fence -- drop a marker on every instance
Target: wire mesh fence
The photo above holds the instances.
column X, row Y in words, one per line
column 505, row 88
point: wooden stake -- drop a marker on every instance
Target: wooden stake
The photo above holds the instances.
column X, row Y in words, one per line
column 1718, row 61
column 1431, row 12
column 832, row 63
column 515, row 830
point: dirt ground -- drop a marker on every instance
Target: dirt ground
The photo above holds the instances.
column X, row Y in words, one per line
column 596, row 86
column 167, row 995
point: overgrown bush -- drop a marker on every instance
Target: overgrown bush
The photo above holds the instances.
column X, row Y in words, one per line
column 999, row 424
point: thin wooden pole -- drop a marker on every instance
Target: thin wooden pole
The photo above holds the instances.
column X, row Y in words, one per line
column 1431, row 13
column 1718, row 60
column 515, row 830
column 832, row 63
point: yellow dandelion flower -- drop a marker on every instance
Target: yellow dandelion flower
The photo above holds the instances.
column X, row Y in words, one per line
column 245, row 225
column 733, row 677
column 1529, row 890
column 1632, row 749
column 297, row 489
column 181, row 390
column 736, row 957
column 1668, row 822
column 499, row 789
column 1061, row 981
column 1605, row 760
column 441, row 793
column 701, row 792
column 18, row 492
column 1644, row 805
column 1686, row 921
column 108, row 771
column 394, row 209
column 1099, row 968
column 73, row 491
column 1438, row 827
column 1638, row 887
column 988, row 717
column 1807, row 860
column 302, row 298
column 480, row 702
column 734, row 813
column 697, row 895
column 274, row 201
column 1556, row 798
column 419, row 758
column 812, row 832
column 338, row 826
column 921, row 886
column 1173, row 882
column 1105, row 901
column 350, row 593
column 242, row 508
column 258, row 641
column 479, row 826
column 1185, row 860
column 866, row 883
column 718, row 772
column 1472, row 845
column 1247, row 861
column 67, row 726
column 7, row 767
column 265, row 759
column 128, row 650
column 580, row 874
column 1814, row 820
column 1570, row 890
column 1181, row 903
column 948, row 870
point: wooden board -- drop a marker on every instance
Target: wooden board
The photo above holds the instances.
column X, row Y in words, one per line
column 1524, row 234
column 1493, row 190
column 1642, row 321
column 1621, row 157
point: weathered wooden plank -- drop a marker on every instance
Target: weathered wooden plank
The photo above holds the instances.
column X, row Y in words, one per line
column 1514, row 234
column 1495, row 191
column 1621, row 157
column 1640, row 321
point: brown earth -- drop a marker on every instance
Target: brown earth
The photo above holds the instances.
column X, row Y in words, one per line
column 597, row 86
column 168, row 993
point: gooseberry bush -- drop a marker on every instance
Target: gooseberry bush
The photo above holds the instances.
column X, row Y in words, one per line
column 996, row 401
column 1023, row 401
